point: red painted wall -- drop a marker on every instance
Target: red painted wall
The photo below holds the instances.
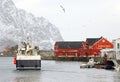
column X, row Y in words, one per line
column 102, row 44
column 66, row 52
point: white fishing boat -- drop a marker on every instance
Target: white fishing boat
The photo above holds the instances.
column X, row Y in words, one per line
column 27, row 56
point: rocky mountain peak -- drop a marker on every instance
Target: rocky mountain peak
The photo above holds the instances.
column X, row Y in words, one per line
column 16, row 23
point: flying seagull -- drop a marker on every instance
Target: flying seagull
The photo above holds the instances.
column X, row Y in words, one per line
column 62, row 8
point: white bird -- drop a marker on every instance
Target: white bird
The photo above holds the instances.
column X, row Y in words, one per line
column 62, row 8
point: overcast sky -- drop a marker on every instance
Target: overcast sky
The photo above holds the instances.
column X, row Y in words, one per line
column 82, row 18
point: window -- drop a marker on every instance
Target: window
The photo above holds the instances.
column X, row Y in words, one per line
column 103, row 40
column 118, row 45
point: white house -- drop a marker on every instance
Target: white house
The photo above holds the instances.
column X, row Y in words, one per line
column 116, row 48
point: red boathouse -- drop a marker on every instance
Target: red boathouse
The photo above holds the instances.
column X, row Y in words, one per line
column 68, row 48
column 90, row 47
column 96, row 44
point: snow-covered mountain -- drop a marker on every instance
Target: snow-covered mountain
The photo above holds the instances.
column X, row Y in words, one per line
column 16, row 23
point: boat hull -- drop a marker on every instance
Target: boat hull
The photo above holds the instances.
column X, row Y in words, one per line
column 28, row 64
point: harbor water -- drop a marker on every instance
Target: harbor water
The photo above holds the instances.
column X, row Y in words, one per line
column 55, row 71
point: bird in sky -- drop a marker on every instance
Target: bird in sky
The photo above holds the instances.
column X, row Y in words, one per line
column 62, row 8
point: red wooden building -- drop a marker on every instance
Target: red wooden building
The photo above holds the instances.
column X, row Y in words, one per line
column 90, row 47
column 68, row 48
column 96, row 44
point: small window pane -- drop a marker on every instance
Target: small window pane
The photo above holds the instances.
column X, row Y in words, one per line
column 118, row 45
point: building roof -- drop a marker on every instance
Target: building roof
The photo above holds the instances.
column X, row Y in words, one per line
column 69, row 44
column 92, row 41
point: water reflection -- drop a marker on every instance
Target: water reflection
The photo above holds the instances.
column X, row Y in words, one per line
column 27, row 79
